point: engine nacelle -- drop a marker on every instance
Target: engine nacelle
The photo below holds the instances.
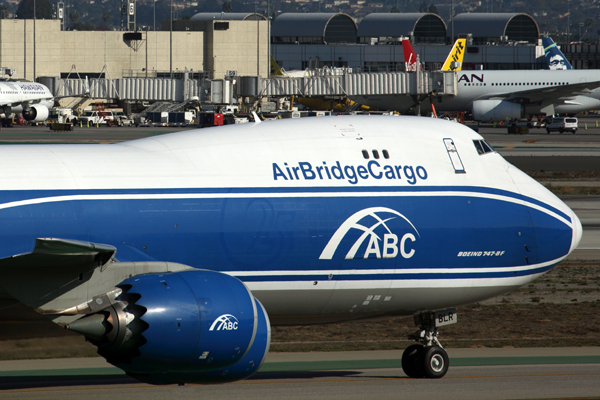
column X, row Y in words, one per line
column 242, row 369
column 181, row 327
column 36, row 113
column 496, row 110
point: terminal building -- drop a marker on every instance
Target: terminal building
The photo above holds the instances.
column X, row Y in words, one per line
column 495, row 41
column 210, row 48
column 221, row 46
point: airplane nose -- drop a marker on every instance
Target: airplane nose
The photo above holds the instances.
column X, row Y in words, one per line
column 577, row 232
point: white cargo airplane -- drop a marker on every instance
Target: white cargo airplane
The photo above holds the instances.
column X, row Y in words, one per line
column 174, row 254
column 32, row 99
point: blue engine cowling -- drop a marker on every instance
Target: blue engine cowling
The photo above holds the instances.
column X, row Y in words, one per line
column 242, row 369
column 183, row 327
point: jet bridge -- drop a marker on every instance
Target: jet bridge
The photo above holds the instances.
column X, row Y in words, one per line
column 363, row 84
column 222, row 91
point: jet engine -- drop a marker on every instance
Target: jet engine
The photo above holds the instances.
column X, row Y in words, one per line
column 181, row 327
column 36, row 113
column 496, row 110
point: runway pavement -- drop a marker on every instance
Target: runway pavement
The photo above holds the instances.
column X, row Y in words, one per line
column 474, row 374
column 587, row 209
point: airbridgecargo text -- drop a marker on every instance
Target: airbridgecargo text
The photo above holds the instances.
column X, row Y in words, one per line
column 353, row 174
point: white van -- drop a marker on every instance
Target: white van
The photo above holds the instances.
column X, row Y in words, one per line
column 562, row 124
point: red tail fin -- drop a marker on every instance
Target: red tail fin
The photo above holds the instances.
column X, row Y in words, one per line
column 410, row 57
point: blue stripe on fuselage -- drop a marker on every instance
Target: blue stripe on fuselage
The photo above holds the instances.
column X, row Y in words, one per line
column 359, row 276
column 263, row 234
column 20, row 195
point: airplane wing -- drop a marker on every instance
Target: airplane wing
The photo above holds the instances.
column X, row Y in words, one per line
column 64, row 265
column 64, row 279
column 540, row 95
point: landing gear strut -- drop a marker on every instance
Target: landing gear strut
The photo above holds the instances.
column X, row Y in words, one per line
column 428, row 359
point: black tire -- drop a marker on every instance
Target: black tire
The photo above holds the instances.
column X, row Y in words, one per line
column 435, row 362
column 547, row 131
column 411, row 360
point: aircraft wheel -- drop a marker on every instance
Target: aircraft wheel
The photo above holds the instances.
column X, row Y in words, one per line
column 411, row 360
column 435, row 362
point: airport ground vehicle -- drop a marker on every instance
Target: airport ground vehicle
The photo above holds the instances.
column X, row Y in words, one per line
column 61, row 115
column 121, row 119
column 562, row 124
column 96, row 118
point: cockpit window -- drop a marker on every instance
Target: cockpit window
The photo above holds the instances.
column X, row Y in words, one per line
column 487, row 146
column 478, row 147
column 483, row 147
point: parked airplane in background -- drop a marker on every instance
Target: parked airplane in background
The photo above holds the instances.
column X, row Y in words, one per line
column 410, row 57
column 554, row 57
column 508, row 95
column 316, row 103
column 453, row 61
column 32, row 99
column 174, row 254
column 455, row 58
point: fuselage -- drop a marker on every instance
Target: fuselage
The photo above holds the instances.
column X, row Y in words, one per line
column 473, row 85
column 324, row 219
column 476, row 85
column 16, row 94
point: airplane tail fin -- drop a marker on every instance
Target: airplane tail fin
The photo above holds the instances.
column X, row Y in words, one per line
column 455, row 58
column 554, row 57
column 410, row 57
column 275, row 69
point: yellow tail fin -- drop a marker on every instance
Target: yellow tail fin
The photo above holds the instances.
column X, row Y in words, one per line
column 456, row 55
column 275, row 70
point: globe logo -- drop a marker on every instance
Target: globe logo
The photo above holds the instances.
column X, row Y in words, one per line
column 225, row 322
column 388, row 245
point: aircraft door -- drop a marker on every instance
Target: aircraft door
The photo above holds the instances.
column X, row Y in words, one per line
column 454, row 156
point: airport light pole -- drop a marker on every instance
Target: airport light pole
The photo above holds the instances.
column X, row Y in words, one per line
column 269, row 19
column 568, row 22
column 452, row 20
column 147, row 51
column 34, row 40
column 257, row 42
column 171, row 42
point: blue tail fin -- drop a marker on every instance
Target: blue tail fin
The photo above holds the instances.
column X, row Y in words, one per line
column 554, row 57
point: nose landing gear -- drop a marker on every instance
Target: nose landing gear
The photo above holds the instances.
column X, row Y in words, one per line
column 428, row 359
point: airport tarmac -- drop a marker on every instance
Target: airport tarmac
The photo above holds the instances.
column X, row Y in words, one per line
column 587, row 209
column 587, row 137
column 548, row 373
column 474, row 374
